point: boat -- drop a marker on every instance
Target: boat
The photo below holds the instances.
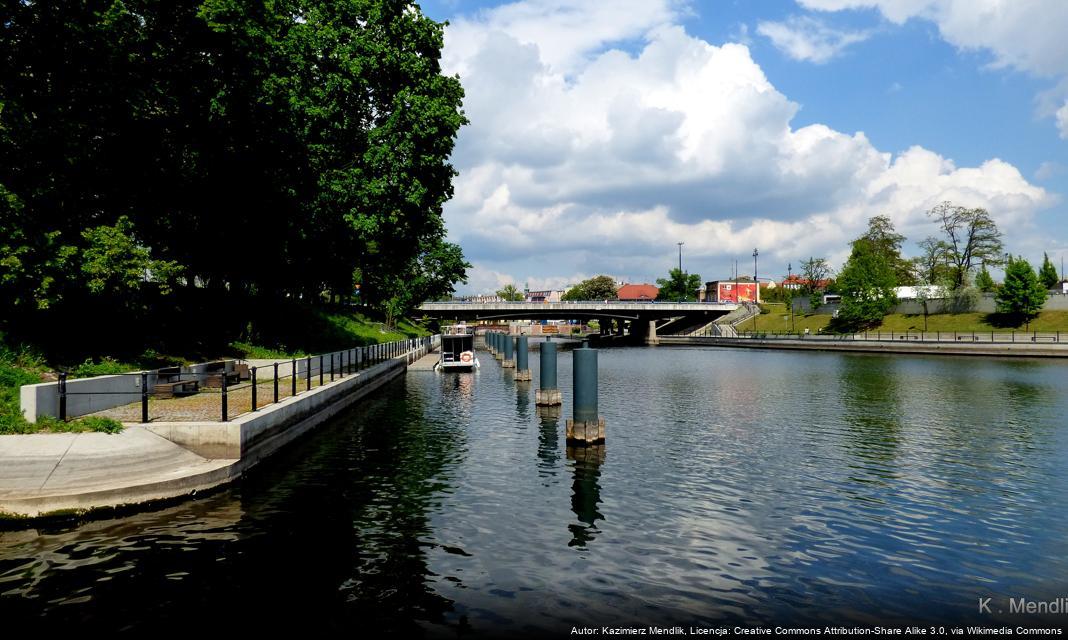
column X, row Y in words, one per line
column 457, row 349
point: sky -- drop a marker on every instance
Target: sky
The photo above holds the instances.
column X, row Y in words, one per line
column 603, row 133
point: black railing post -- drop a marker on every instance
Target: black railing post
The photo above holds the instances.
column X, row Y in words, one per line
column 293, row 378
column 307, row 375
column 144, row 396
column 62, row 397
column 225, row 408
column 320, row 370
column 253, row 372
column 276, row 383
column 331, row 367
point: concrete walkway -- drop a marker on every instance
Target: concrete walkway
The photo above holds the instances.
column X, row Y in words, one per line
column 39, row 469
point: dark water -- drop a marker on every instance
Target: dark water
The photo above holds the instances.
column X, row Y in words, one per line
column 736, row 487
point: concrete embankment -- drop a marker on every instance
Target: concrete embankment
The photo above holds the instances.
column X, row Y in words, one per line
column 989, row 349
column 60, row 474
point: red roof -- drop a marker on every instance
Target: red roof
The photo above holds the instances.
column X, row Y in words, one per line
column 637, row 292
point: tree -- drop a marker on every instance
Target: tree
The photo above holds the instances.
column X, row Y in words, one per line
column 866, row 283
column 932, row 265
column 1047, row 275
column 596, row 288
column 510, row 293
column 886, row 241
column 679, row 286
column 984, row 282
column 815, row 272
column 971, row 237
column 1021, row 294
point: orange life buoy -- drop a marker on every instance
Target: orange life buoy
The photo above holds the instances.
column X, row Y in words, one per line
column 465, row 357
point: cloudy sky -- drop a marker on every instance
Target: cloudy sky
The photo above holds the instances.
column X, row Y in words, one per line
column 604, row 132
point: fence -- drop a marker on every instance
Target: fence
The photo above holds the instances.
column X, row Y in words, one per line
column 226, row 389
column 990, row 337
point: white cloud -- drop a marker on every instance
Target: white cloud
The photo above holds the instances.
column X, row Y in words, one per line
column 1049, row 169
column 1062, row 120
column 599, row 161
column 807, row 39
column 1026, row 35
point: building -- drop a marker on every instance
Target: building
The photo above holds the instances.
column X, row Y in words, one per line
column 544, row 296
column 797, row 282
column 736, row 290
column 637, row 293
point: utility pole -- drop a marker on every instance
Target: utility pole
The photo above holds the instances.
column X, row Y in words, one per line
column 683, row 280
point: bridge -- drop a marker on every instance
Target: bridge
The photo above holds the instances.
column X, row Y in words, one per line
column 640, row 318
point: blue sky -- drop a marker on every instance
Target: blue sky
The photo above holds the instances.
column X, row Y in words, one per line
column 603, row 133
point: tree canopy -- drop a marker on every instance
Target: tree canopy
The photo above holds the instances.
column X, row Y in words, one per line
column 971, row 237
column 510, row 293
column 1021, row 294
column 596, row 288
column 1047, row 275
column 679, row 286
column 866, row 283
column 886, row 241
column 287, row 150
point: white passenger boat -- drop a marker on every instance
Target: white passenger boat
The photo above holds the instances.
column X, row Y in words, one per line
column 457, row 349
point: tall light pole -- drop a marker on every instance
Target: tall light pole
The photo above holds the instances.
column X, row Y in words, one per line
column 681, row 279
column 756, row 285
column 790, row 292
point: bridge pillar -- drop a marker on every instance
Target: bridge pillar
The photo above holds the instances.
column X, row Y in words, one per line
column 650, row 334
column 619, row 327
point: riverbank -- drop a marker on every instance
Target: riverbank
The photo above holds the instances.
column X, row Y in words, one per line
column 49, row 475
column 912, row 346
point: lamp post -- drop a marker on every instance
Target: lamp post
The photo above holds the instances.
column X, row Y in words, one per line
column 681, row 293
column 790, row 292
column 756, row 285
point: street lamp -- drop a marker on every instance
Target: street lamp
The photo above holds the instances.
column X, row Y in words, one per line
column 756, row 285
column 682, row 280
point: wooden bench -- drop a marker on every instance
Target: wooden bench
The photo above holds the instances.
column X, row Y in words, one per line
column 214, row 379
column 176, row 388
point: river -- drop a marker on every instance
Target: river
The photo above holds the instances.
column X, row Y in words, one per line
column 735, row 487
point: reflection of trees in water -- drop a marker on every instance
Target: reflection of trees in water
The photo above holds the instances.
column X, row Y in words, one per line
column 348, row 518
column 585, row 492
column 548, row 440
column 871, row 395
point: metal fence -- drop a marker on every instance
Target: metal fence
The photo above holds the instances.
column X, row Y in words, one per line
column 225, row 389
column 990, row 337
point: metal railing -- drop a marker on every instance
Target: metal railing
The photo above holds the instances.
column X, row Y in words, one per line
column 252, row 386
column 990, row 337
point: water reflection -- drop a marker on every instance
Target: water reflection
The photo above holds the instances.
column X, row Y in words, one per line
column 548, row 440
column 585, row 492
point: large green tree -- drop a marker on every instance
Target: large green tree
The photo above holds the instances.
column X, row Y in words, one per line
column 679, row 286
column 596, row 288
column 885, row 240
column 1021, row 294
column 1047, row 275
column 971, row 237
column 287, row 149
column 866, row 283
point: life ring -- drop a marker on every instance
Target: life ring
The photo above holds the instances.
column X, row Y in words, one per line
column 465, row 357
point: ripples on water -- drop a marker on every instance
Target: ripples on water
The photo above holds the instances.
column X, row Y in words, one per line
column 735, row 486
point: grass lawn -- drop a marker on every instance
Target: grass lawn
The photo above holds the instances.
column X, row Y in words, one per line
column 778, row 319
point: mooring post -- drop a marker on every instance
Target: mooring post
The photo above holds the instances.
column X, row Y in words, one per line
column 509, row 353
column 585, row 427
column 549, row 394
column 522, row 359
column 499, row 351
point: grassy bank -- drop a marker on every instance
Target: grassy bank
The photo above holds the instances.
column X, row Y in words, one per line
column 777, row 318
column 289, row 333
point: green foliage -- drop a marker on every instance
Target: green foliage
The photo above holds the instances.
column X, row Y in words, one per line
column 279, row 150
column 1021, row 295
column 887, row 242
column 813, row 272
column 510, row 293
column 984, row 282
column 971, row 236
column 104, row 367
column 867, row 286
column 1047, row 275
column 679, row 286
column 596, row 288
